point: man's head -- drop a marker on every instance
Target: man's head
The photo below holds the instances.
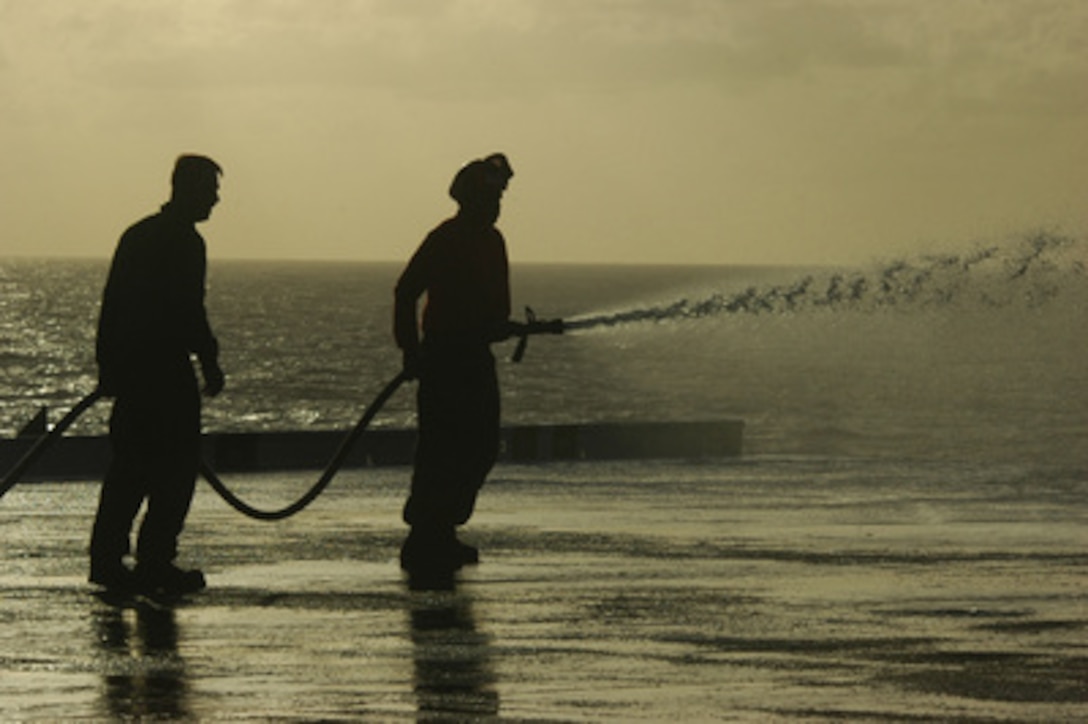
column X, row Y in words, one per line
column 195, row 186
column 479, row 185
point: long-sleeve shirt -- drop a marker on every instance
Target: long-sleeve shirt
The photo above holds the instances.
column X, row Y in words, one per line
column 462, row 267
column 153, row 313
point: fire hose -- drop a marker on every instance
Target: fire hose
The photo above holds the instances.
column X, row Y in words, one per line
column 532, row 326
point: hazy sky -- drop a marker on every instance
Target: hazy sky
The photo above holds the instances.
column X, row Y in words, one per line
column 714, row 131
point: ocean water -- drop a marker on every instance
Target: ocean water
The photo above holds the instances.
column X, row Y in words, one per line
column 977, row 354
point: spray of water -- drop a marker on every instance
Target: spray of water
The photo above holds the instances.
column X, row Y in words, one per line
column 1030, row 272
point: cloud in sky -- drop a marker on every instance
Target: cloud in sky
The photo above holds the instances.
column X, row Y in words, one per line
column 693, row 130
column 432, row 46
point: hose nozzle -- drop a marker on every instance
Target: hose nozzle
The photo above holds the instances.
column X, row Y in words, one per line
column 532, row 325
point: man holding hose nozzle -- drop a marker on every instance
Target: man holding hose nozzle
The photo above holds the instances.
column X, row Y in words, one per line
column 462, row 268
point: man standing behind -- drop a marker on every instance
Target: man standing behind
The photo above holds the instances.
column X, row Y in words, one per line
column 462, row 268
column 152, row 321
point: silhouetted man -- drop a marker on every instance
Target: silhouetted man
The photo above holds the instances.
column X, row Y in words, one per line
column 152, row 321
column 462, row 268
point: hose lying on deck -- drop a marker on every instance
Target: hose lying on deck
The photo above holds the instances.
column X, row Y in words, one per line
column 519, row 330
column 42, row 444
column 326, row 477
column 45, row 441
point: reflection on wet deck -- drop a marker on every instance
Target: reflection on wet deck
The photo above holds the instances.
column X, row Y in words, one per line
column 769, row 591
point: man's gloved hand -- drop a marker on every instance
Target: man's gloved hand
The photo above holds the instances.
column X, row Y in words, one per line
column 508, row 329
column 411, row 365
column 214, row 379
column 107, row 384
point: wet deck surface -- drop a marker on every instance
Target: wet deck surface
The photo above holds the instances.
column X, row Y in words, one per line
column 774, row 591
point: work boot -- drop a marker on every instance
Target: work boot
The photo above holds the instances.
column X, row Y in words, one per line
column 427, row 551
column 436, row 551
column 113, row 577
column 168, row 580
column 468, row 555
column 418, row 552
